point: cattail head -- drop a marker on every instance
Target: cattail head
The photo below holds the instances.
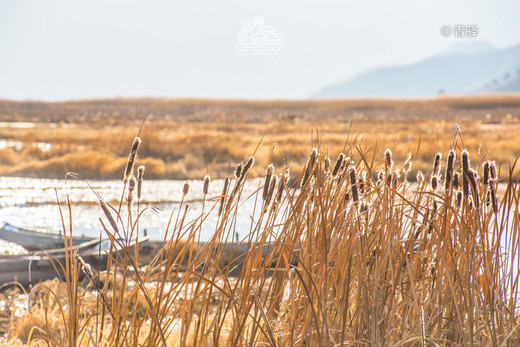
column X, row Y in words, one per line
column 493, row 195
column 485, row 176
column 434, row 182
column 131, row 159
column 353, row 185
column 205, row 187
column 238, row 171
column 186, row 188
column 339, row 163
column 131, row 184
column 388, row 158
column 223, row 197
column 326, row 164
column 459, row 198
column 473, row 177
column 449, row 170
column 395, row 178
column 314, row 156
column 465, row 173
column 140, row 177
column 407, row 167
column 493, row 171
column 131, row 187
column 389, row 178
column 269, row 173
column 106, row 211
column 272, row 187
column 456, row 180
column 281, row 187
column 380, row 176
column 437, row 164
column 248, row 165
column 420, row 177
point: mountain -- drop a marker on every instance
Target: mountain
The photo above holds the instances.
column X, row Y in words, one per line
column 466, row 68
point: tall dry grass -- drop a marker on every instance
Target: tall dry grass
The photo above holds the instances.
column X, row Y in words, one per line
column 187, row 138
column 352, row 254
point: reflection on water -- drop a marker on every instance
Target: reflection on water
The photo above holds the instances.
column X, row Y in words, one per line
column 32, row 203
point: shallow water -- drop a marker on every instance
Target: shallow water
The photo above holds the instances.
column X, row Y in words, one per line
column 33, row 204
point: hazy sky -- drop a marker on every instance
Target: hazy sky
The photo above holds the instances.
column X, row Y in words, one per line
column 62, row 49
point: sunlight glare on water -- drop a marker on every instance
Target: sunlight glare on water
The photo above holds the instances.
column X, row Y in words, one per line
column 32, row 203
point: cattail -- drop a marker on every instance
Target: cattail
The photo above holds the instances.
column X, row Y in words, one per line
column 131, row 159
column 449, row 170
column 248, row 165
column 140, row 176
column 474, row 190
column 314, row 156
column 107, row 213
column 238, row 170
column 345, row 164
column 420, row 177
column 186, row 188
column 272, row 187
column 434, row 181
column 131, row 187
column 270, row 170
column 485, row 176
column 86, row 267
column 465, row 173
column 339, row 163
column 437, row 163
column 353, row 186
column 493, row 195
column 456, row 180
column 281, row 186
column 395, row 178
column 223, row 197
column 389, row 179
column 205, row 187
column 459, row 198
column 407, row 167
column 305, row 177
column 326, row 164
column 380, row 176
column 388, row 158
column 493, row 171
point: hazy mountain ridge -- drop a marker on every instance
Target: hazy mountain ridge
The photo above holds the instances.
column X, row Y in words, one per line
column 462, row 69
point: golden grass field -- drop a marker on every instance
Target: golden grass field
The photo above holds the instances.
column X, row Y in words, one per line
column 189, row 138
column 356, row 253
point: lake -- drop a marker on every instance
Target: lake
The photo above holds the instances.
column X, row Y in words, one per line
column 33, row 203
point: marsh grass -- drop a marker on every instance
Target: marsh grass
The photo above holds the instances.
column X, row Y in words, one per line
column 355, row 255
column 186, row 139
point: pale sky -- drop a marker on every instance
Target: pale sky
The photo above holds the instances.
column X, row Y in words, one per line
column 62, row 49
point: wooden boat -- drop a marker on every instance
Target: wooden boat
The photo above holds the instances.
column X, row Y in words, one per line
column 44, row 264
column 33, row 240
